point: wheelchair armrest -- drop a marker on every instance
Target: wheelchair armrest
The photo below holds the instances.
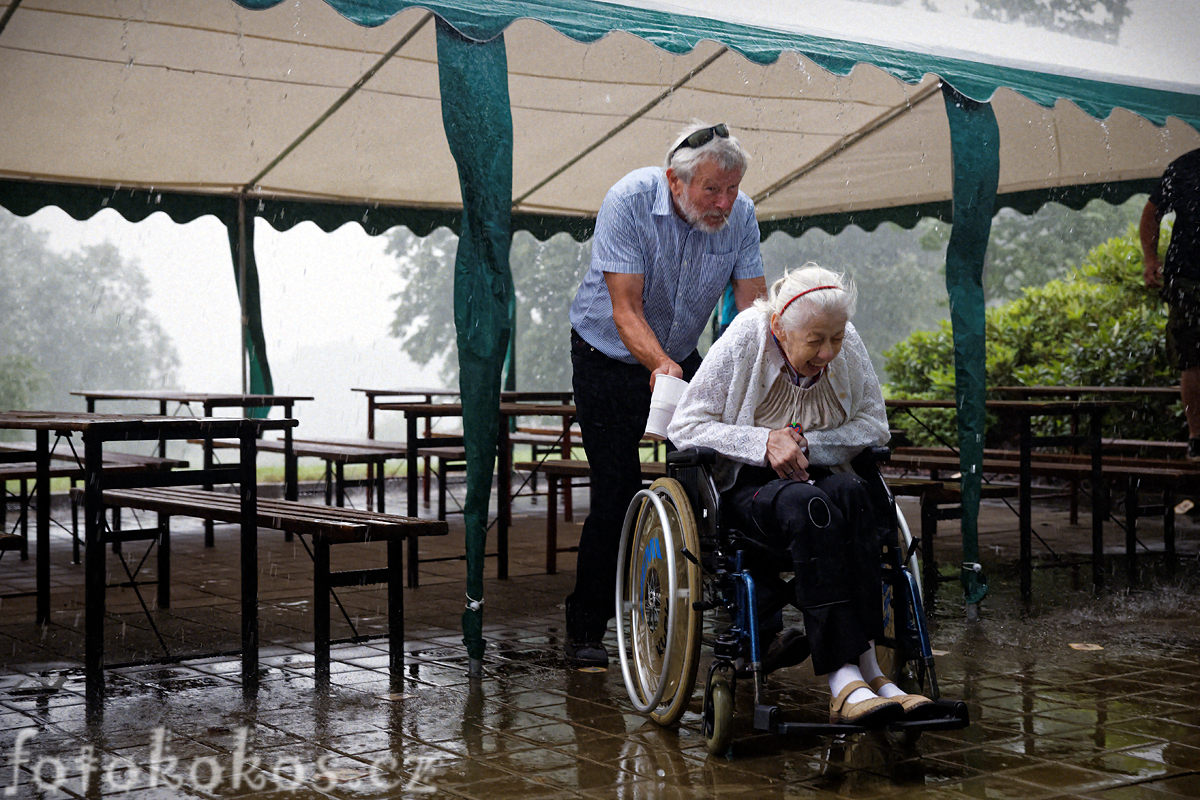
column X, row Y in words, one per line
column 870, row 457
column 692, row 457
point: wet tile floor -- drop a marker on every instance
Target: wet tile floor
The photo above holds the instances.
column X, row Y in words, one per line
column 1073, row 697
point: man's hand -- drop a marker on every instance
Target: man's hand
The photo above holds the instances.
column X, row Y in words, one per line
column 667, row 367
column 1153, row 272
column 785, row 453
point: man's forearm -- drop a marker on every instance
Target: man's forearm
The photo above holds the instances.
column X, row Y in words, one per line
column 640, row 341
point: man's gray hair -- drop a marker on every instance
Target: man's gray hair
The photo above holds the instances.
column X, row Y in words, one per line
column 726, row 151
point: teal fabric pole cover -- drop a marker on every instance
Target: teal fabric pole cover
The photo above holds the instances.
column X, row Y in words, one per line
column 253, row 339
column 473, row 77
column 975, row 144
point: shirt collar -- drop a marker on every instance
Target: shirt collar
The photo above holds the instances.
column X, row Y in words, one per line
column 662, row 197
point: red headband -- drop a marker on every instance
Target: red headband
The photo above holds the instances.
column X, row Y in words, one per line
column 806, row 291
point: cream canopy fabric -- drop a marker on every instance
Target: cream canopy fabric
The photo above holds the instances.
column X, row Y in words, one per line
column 295, row 102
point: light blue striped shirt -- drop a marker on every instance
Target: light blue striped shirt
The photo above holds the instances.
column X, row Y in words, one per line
column 685, row 269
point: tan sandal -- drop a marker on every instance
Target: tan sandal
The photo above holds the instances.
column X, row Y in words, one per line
column 872, row 711
column 909, row 702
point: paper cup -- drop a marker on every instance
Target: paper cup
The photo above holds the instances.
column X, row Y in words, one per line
column 667, row 391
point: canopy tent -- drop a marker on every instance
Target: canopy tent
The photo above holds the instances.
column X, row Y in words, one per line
column 489, row 116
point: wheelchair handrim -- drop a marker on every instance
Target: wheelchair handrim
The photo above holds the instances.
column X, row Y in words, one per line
column 631, row 686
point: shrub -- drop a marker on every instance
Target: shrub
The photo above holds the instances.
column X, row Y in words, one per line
column 1099, row 326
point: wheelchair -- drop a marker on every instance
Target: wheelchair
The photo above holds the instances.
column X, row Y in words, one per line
column 677, row 562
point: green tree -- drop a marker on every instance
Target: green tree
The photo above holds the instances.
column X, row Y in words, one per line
column 74, row 321
column 424, row 320
column 545, row 276
column 901, row 285
column 1098, row 326
column 1029, row 250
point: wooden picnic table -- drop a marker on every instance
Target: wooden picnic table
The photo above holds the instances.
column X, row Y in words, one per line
column 96, row 430
column 1076, row 392
column 414, row 413
column 1026, row 411
column 209, row 402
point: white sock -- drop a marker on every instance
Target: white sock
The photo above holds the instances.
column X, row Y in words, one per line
column 870, row 670
column 847, row 673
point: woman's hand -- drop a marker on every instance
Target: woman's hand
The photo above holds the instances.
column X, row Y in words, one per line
column 785, row 453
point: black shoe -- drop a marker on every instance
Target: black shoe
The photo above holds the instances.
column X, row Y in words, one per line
column 787, row 649
column 586, row 654
column 1193, row 451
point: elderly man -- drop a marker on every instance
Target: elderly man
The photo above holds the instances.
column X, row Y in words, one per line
column 667, row 243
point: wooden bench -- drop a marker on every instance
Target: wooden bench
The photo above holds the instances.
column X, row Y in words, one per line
column 61, row 466
column 446, row 460
column 337, row 454
column 939, row 501
column 560, row 471
column 1170, row 478
column 545, row 444
column 327, row 525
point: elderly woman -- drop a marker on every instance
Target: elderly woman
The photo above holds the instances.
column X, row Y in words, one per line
column 787, row 396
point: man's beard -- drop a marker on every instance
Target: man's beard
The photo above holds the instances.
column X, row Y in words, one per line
column 694, row 218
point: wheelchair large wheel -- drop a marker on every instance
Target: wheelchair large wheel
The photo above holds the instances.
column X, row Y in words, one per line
column 658, row 585
column 907, row 655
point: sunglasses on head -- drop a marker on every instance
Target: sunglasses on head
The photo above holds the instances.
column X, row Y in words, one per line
column 702, row 137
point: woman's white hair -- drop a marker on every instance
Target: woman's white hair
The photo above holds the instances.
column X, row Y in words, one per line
column 840, row 300
column 726, row 151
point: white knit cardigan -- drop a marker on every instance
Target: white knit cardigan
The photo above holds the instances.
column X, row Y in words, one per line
column 717, row 408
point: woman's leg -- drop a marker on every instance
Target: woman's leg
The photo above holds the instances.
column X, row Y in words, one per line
column 802, row 521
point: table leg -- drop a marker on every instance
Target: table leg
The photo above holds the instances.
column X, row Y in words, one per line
column 1168, row 498
column 411, row 446
column 164, row 560
column 552, row 524
column 1025, row 512
column 321, row 584
column 209, row 538
column 503, row 499
column 249, row 559
column 94, row 574
column 291, row 468
column 42, row 527
column 371, row 432
column 1131, row 518
column 395, row 601
column 1099, row 506
column 379, row 485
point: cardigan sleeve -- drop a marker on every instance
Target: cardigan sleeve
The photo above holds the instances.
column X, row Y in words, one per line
column 717, row 409
column 866, row 424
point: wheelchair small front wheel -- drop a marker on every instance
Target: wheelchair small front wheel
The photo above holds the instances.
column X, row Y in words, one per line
column 658, row 585
column 718, row 713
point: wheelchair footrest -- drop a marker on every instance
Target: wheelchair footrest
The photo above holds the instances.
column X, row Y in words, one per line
column 766, row 719
column 953, row 716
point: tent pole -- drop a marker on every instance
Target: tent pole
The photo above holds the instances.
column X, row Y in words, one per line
column 256, row 372
column 243, row 327
column 473, row 78
column 975, row 148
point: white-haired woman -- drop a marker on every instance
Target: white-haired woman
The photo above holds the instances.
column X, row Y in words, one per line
column 787, row 396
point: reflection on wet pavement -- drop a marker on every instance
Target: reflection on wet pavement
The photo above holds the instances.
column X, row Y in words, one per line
column 1077, row 697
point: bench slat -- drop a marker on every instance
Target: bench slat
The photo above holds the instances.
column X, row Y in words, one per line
column 336, row 524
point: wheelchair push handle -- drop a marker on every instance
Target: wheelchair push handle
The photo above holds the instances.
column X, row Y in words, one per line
column 692, row 457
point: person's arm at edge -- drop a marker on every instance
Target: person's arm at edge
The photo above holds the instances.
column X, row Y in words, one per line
column 625, row 291
column 1148, row 233
column 747, row 290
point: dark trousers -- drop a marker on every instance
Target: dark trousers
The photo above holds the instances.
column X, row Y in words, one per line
column 828, row 533
column 612, row 401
